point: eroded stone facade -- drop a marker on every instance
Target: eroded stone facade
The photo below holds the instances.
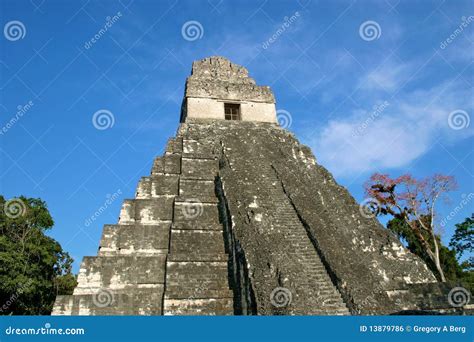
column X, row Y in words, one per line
column 215, row 81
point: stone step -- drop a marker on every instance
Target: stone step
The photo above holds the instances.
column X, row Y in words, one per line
column 117, row 272
column 195, row 213
column 193, row 256
column 147, row 211
column 199, row 168
column 157, row 185
column 208, row 306
column 193, row 225
column 196, row 149
column 136, row 239
column 196, row 270
column 202, row 190
column 326, row 292
column 197, row 292
column 174, row 145
column 133, row 301
column 168, row 164
column 195, row 241
column 323, row 312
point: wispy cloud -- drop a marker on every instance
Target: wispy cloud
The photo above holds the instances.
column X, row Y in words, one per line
column 390, row 76
column 407, row 128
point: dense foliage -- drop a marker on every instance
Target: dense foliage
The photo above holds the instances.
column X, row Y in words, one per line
column 33, row 266
column 454, row 270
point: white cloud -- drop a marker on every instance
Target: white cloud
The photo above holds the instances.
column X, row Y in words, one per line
column 369, row 141
column 388, row 77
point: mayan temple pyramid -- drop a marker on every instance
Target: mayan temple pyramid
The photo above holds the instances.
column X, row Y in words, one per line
column 238, row 218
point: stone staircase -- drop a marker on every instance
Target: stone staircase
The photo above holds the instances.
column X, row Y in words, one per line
column 258, row 195
column 163, row 256
column 314, row 292
column 168, row 255
column 197, row 265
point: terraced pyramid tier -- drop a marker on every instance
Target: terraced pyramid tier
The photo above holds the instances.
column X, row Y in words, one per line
column 238, row 218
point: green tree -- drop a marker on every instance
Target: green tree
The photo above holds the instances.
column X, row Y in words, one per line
column 452, row 269
column 33, row 266
column 463, row 238
column 447, row 257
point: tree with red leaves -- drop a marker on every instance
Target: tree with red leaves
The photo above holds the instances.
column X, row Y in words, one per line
column 413, row 202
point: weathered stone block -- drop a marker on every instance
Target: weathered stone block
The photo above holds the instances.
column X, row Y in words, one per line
column 172, row 163
column 164, row 185
column 197, row 149
column 191, row 272
column 144, row 188
column 199, row 168
column 158, row 166
column 150, row 211
column 157, row 185
column 202, row 256
column 201, row 190
column 196, row 215
column 174, row 145
column 197, row 242
column 127, row 213
column 211, row 306
column 135, row 239
column 132, row 301
column 119, row 272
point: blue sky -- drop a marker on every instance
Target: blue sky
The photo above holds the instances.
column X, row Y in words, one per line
column 371, row 86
